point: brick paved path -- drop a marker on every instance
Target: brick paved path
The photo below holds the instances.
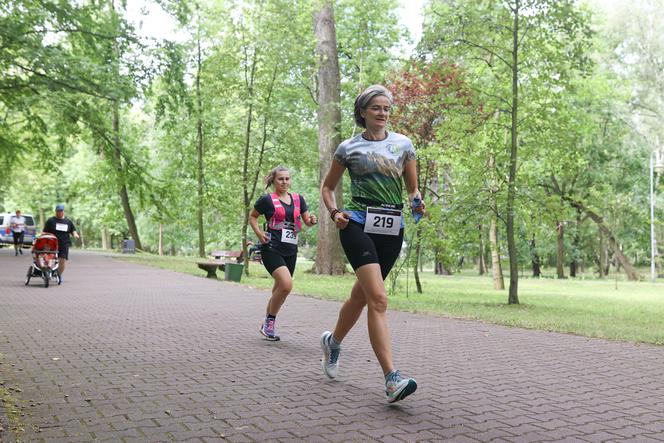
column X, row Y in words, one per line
column 122, row 352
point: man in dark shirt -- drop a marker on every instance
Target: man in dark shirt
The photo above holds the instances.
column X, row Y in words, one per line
column 62, row 228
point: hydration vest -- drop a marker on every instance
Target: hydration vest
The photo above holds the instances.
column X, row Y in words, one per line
column 279, row 216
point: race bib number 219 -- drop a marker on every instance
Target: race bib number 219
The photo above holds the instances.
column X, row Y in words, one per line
column 383, row 221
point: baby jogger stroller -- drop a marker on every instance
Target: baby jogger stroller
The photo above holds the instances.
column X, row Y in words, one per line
column 44, row 259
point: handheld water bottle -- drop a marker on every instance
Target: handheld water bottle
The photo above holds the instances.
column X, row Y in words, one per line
column 414, row 204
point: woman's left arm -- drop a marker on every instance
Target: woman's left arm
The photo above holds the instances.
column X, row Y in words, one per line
column 410, row 178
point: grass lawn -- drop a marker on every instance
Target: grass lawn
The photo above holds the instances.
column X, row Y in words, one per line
column 616, row 310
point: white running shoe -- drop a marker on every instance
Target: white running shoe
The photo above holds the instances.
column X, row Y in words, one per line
column 330, row 360
column 398, row 387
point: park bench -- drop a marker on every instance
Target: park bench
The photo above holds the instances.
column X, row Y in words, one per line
column 237, row 255
column 218, row 260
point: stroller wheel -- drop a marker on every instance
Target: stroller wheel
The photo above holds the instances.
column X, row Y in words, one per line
column 47, row 278
column 28, row 275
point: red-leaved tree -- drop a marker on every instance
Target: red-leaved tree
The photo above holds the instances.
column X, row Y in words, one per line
column 431, row 100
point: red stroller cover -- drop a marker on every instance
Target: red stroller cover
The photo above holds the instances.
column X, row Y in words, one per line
column 45, row 243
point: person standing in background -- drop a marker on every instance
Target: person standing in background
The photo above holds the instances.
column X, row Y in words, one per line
column 17, row 223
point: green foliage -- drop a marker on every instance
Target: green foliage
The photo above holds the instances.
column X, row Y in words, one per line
column 589, row 116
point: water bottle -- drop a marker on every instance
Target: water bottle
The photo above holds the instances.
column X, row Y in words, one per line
column 414, row 204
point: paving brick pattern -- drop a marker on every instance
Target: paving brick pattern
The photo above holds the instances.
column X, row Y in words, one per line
column 123, row 352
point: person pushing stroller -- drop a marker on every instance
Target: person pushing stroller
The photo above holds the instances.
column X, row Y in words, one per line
column 62, row 228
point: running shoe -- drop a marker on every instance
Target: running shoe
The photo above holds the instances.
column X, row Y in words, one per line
column 330, row 360
column 268, row 329
column 398, row 387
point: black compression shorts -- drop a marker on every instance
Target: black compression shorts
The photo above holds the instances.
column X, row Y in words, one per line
column 362, row 248
column 273, row 260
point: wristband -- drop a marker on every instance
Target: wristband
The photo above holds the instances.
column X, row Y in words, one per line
column 334, row 212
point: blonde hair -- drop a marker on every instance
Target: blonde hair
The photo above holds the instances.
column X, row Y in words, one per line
column 269, row 179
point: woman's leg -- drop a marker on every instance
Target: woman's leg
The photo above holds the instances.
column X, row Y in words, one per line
column 371, row 281
column 350, row 312
column 283, row 284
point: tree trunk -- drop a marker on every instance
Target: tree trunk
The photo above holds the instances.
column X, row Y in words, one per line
column 576, row 247
column 481, row 265
column 199, row 151
column 116, row 154
column 418, row 251
column 496, row 267
column 161, row 239
column 560, row 249
column 439, row 267
column 105, row 239
column 122, row 185
column 81, row 234
column 250, row 178
column 42, row 217
column 513, row 297
column 602, row 257
column 535, row 258
column 604, row 229
column 249, row 77
column 329, row 255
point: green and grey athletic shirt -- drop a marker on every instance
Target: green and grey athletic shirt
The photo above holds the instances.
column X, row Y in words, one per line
column 375, row 169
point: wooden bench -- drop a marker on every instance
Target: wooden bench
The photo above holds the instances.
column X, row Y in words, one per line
column 219, row 255
column 218, row 260
column 211, row 267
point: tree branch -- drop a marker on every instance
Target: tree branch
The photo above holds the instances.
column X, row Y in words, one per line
column 483, row 48
column 62, row 83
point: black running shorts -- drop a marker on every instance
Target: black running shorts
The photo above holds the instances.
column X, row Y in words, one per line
column 273, row 260
column 63, row 251
column 18, row 237
column 362, row 248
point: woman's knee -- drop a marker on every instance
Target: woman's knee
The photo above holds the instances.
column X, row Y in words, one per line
column 377, row 302
column 284, row 285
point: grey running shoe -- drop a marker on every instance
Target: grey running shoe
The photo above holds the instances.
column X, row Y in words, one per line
column 268, row 329
column 397, row 387
column 330, row 360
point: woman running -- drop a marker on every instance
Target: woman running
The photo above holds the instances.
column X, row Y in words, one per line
column 284, row 213
column 371, row 228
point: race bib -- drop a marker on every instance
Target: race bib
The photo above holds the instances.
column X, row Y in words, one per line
column 383, row 221
column 64, row 227
column 289, row 236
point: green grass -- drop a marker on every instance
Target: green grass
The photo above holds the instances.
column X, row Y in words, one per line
column 615, row 310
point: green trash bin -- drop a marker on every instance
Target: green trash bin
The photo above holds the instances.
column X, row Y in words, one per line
column 233, row 271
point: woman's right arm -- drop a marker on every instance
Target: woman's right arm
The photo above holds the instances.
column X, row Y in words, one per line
column 253, row 222
column 330, row 183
